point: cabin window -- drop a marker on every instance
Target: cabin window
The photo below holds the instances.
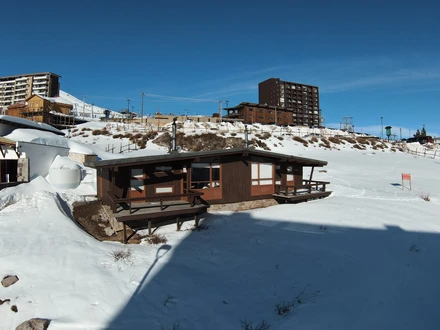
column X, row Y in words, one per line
column 137, row 179
column 262, row 174
column 205, row 175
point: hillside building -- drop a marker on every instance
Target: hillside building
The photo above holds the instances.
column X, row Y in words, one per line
column 43, row 110
column 250, row 113
column 17, row 88
column 281, row 103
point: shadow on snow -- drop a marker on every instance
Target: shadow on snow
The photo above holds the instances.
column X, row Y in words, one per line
column 240, row 268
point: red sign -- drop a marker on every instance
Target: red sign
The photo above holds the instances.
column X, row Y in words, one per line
column 406, row 176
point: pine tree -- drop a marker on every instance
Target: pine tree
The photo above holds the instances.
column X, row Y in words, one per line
column 417, row 134
column 423, row 133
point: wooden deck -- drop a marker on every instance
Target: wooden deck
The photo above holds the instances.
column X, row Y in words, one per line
column 307, row 191
column 152, row 211
column 140, row 213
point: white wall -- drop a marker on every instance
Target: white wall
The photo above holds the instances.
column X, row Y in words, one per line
column 40, row 157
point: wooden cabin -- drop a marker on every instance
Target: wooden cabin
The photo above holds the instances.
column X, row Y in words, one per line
column 43, row 110
column 152, row 188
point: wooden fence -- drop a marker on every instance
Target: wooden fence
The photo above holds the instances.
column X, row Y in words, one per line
column 425, row 152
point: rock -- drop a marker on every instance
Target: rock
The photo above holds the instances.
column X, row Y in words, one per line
column 101, row 225
column 34, row 324
column 95, row 217
column 14, row 308
column 109, row 231
column 9, row 280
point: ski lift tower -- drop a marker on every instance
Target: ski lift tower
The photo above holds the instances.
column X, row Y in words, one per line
column 347, row 124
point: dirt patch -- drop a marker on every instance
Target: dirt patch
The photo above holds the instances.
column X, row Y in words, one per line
column 89, row 215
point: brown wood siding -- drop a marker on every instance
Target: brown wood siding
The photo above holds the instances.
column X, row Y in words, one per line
column 104, row 184
column 236, row 178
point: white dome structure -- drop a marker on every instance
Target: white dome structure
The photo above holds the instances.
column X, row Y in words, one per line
column 65, row 173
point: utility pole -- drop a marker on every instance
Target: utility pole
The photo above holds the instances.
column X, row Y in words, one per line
column 84, row 105
column 128, row 108
column 401, row 133
column 142, row 107
column 381, row 124
column 220, row 110
column 92, row 111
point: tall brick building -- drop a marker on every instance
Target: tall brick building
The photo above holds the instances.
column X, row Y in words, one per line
column 282, row 103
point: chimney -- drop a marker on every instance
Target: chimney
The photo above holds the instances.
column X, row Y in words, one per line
column 246, row 136
column 173, row 138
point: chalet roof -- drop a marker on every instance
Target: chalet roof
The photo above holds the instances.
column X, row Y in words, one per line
column 50, row 99
column 194, row 156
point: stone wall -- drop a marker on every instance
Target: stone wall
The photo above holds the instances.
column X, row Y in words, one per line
column 243, row 206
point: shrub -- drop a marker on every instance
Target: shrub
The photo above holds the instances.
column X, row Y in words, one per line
column 259, row 144
column 151, row 135
column 155, row 239
column 363, row 141
column 175, row 326
column 298, row 139
column 325, row 142
column 280, row 138
column 357, row 146
column 284, row 307
column 314, row 139
column 247, row 325
column 349, row 139
column 335, row 140
column 96, row 132
column 121, row 254
column 233, row 134
column 414, row 248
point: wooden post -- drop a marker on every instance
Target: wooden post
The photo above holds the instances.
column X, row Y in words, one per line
column 124, row 233
column 196, row 221
column 311, row 174
column 178, row 223
column 149, row 228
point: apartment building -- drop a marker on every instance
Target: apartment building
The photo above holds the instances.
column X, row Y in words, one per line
column 299, row 99
column 250, row 113
column 18, row 88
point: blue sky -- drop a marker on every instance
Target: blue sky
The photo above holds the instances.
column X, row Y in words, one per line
column 370, row 60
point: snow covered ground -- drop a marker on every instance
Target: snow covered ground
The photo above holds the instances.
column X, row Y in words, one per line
column 364, row 258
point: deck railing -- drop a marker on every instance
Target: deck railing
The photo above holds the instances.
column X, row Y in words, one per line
column 193, row 196
column 307, row 187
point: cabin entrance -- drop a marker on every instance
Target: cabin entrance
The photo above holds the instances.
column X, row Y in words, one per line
column 8, row 170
